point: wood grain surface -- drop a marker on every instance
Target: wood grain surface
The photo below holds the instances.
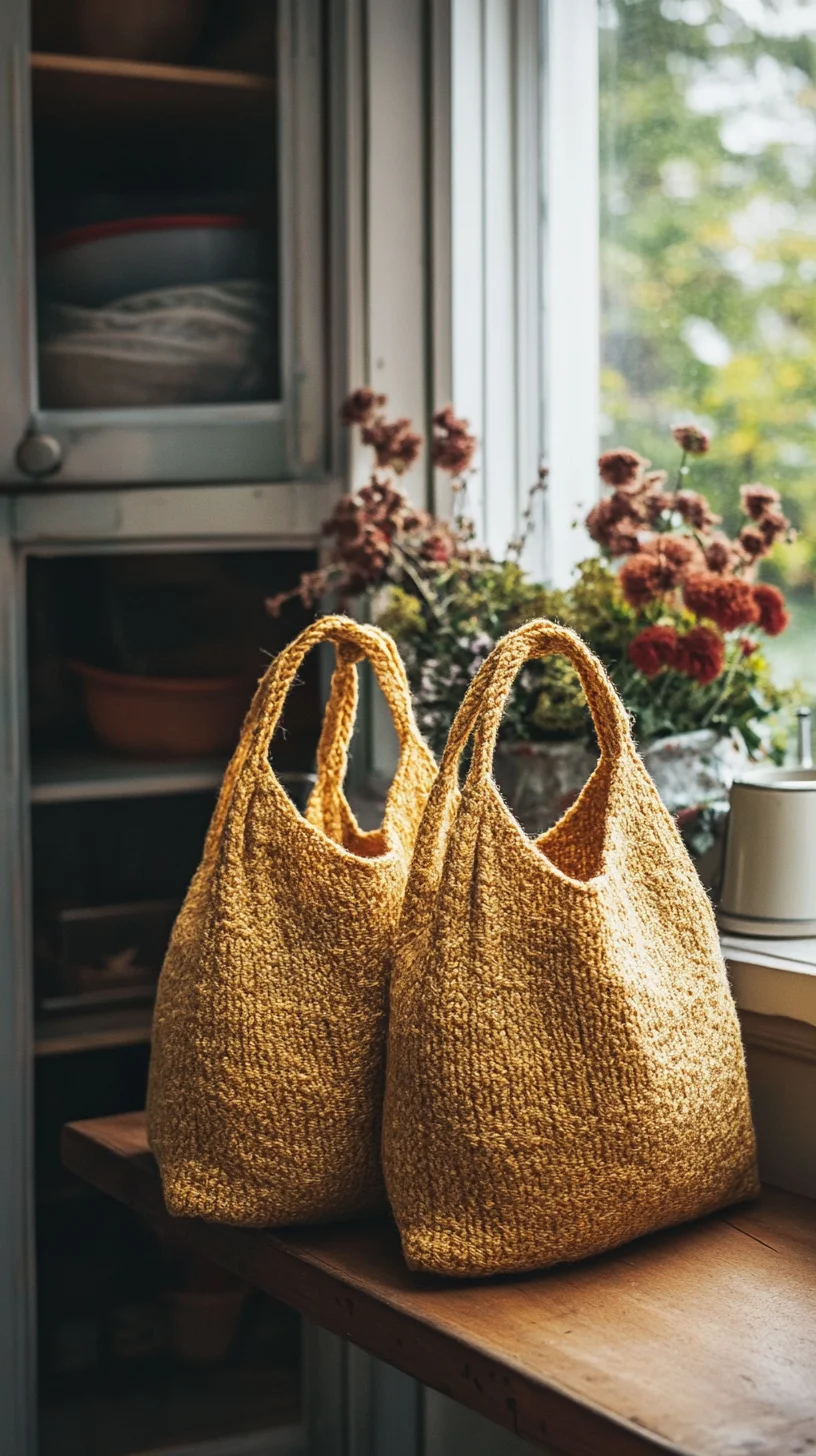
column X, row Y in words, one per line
column 700, row 1341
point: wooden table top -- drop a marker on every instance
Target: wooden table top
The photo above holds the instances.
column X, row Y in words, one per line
column 700, row 1341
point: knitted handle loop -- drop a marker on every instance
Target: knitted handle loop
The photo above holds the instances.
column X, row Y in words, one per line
column 483, row 705
column 545, row 639
column 352, row 641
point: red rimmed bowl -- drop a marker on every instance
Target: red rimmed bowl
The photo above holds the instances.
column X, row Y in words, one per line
column 161, row 717
column 91, row 266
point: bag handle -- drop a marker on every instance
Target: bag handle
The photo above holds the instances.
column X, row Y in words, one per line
column 327, row 802
column 353, row 641
column 482, row 708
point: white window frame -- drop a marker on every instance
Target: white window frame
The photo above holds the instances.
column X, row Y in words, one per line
column 524, row 270
column 524, row 291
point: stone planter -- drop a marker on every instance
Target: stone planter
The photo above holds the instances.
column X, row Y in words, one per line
column 539, row 781
column 693, row 773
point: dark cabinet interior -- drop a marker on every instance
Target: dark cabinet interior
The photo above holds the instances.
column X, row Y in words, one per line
column 139, row 1349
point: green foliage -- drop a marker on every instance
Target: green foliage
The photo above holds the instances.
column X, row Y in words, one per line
column 707, row 131
column 477, row 604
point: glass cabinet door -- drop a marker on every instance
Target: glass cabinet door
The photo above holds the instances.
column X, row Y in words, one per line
column 168, row 231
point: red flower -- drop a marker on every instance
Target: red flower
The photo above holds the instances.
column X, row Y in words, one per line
column 675, row 553
column 453, row 446
column 700, row 654
column 367, row 558
column 655, row 502
column 692, row 439
column 727, row 600
column 770, row 604
column 437, row 548
column 622, row 540
column 360, row 406
column 653, row 648
column 655, row 479
column 614, row 524
column 395, row 444
column 753, row 542
column 696, row 510
column 721, row 555
column 757, row 499
column 345, row 521
column 655, row 498
column 748, row 646
column 658, row 568
column 621, row 467
column 641, row 581
column 772, row 525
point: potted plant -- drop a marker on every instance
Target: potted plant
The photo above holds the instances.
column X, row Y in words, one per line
column 670, row 603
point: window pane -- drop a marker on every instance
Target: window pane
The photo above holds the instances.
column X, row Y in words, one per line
column 708, row 188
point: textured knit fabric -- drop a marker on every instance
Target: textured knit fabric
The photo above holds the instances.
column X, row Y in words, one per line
column 565, row 1070
column 266, row 1078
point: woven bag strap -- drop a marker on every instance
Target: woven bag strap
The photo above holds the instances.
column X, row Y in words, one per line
column 232, row 774
column 327, row 804
column 352, row 641
column 482, row 708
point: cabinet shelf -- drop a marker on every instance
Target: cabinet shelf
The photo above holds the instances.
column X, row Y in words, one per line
column 65, row 1032
column 86, row 89
column 63, row 778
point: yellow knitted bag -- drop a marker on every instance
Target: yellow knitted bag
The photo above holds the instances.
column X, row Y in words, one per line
column 565, row 1069
column 266, row 1078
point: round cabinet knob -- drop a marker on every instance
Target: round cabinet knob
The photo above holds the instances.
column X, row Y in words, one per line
column 39, row 455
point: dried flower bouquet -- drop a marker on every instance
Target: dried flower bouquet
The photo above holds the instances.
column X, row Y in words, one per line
column 669, row 602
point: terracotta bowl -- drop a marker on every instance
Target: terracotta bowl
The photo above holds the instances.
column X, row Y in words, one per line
column 161, row 717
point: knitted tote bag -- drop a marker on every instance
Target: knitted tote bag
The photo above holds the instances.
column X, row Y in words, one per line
column 565, row 1069
column 266, row 1077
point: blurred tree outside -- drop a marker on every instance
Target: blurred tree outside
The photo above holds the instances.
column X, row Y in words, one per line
column 708, row 256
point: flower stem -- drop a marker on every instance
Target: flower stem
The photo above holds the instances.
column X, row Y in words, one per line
column 730, row 673
column 411, row 570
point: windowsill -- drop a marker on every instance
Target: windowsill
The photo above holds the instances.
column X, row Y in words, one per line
column 773, row 977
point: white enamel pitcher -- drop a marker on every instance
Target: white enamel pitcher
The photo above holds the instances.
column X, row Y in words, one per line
column 769, row 886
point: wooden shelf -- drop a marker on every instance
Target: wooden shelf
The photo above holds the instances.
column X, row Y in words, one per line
column 76, row 778
column 696, row 1340
column 86, row 89
column 85, row 1031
